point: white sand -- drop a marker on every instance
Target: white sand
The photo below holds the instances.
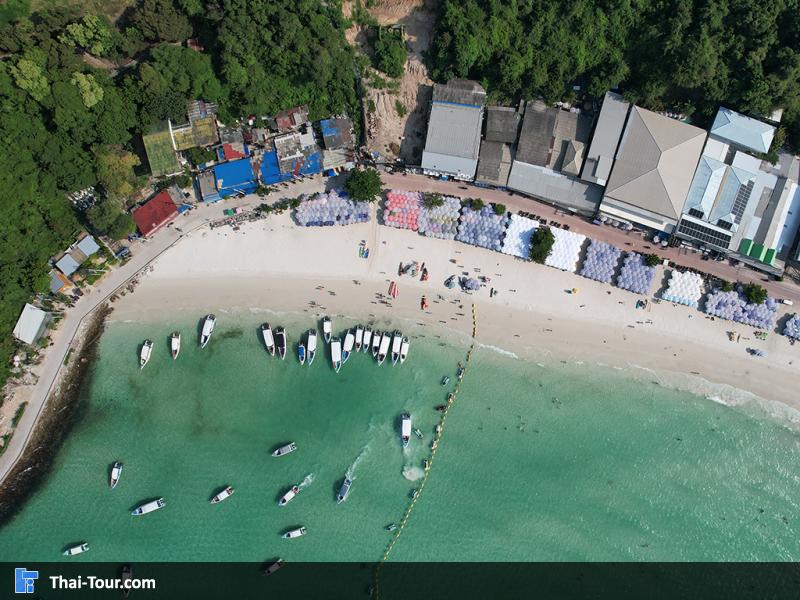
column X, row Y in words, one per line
column 275, row 265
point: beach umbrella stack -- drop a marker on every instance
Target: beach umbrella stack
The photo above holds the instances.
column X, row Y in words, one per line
column 482, row 227
column 733, row 306
column 684, row 288
column 792, row 327
column 566, row 250
column 402, row 209
column 441, row 221
column 601, row 261
column 472, row 284
column 635, row 276
column 518, row 236
column 332, row 208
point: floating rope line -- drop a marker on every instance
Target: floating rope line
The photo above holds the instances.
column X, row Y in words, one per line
column 437, row 437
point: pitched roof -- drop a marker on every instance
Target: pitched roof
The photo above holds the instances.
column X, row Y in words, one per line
column 67, row 265
column 600, row 155
column 502, row 124
column 30, row 324
column 494, row 163
column 88, row 245
column 655, row 163
column 536, row 136
column 155, row 212
column 460, row 91
column 742, row 131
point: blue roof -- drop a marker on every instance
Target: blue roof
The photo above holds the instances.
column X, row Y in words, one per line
column 270, row 171
column 328, row 127
column 235, row 177
column 742, row 131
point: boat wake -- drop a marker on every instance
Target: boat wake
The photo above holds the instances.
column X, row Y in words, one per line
column 351, row 470
column 413, row 473
column 307, row 481
column 498, row 350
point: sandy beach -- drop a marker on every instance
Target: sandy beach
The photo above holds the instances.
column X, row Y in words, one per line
column 275, row 265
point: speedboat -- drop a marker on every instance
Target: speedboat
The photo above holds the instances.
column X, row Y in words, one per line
column 384, row 348
column 359, row 337
column 144, row 353
column 222, row 495
column 418, row 433
column 311, row 345
column 77, row 549
column 208, row 329
column 405, row 428
column 285, row 449
column 280, row 341
column 289, row 496
column 397, row 342
column 175, row 344
column 404, row 350
column 336, row 354
column 344, row 491
column 376, row 343
column 460, row 372
column 269, row 341
column 148, row 507
column 391, row 527
column 441, row 408
column 349, row 340
column 116, row 472
column 294, row 533
column 273, row 566
column 445, row 380
column 301, row 353
column 326, row 330
column 367, row 339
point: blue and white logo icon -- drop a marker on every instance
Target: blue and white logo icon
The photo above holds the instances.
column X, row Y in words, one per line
column 24, row 580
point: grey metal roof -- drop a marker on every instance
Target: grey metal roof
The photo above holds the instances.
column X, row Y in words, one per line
column 454, row 130
column 570, row 137
column 67, row 265
column 548, row 185
column 494, row 163
column 502, row 124
column 600, row 155
column 536, row 136
column 445, row 163
column 742, row 131
column 88, row 245
column 31, row 324
column 460, row 91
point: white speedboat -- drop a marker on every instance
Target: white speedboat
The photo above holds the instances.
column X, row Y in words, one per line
column 376, row 343
column 336, row 354
column 289, row 496
column 285, row 449
column 405, row 428
column 344, row 491
column 301, row 353
column 367, row 339
column 349, row 341
column 269, row 340
column 311, row 345
column 280, row 341
column 397, row 342
column 294, row 533
column 144, row 353
column 273, row 566
column 148, row 507
column 175, row 344
column 359, row 337
column 384, row 348
column 116, row 472
column 208, row 329
column 222, row 495
column 404, row 347
column 77, row 549
column 326, row 330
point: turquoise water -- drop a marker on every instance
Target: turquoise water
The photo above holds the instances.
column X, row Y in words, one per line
column 561, row 462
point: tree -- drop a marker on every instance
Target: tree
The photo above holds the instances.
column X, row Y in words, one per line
column 107, row 217
column 91, row 91
column 432, row 200
column 91, row 33
column 754, row 293
column 652, row 260
column 541, row 244
column 161, row 21
column 499, row 209
column 390, row 54
column 29, row 76
column 363, row 186
column 726, row 286
column 476, row 204
column 115, row 171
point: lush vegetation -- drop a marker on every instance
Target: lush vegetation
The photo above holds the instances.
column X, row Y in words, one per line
column 499, row 209
column 687, row 55
column 432, row 199
column 754, row 293
column 363, row 186
column 390, row 53
column 652, row 260
column 542, row 244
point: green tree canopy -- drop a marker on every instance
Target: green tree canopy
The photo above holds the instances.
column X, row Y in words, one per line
column 754, row 293
column 390, row 54
column 161, row 21
column 364, row 186
column 542, row 244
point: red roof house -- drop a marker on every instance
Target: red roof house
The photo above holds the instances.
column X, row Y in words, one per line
column 154, row 213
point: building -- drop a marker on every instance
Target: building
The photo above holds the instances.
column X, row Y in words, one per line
column 160, row 150
column 270, row 169
column 607, row 133
column 232, row 145
column 31, row 324
column 290, row 119
column 453, row 141
column 338, row 141
column 570, row 138
column 59, row 283
column 536, row 136
column 498, row 147
column 234, row 178
column 155, row 213
column 207, row 186
column 652, row 170
column 298, row 153
column 77, row 254
column 742, row 132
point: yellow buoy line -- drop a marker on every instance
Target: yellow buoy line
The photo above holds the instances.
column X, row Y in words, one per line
column 435, row 446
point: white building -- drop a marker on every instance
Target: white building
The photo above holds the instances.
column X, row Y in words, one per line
column 31, row 324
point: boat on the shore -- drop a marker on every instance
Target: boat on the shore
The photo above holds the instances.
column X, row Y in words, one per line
column 175, row 344
column 76, row 549
column 116, row 472
column 376, row 343
column 208, row 329
column 273, row 566
column 269, row 340
column 367, row 339
column 289, row 496
column 301, row 353
column 336, row 354
column 349, row 341
column 148, row 507
column 404, row 347
column 222, row 495
column 311, row 343
column 280, row 341
column 359, row 337
column 405, row 428
column 144, row 353
column 344, row 491
column 397, row 342
column 294, row 533
column 326, row 330
column 285, row 449
column 384, row 348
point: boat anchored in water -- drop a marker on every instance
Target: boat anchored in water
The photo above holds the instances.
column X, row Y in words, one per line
column 349, row 341
column 294, row 533
column 367, row 339
column 344, row 491
column 397, row 342
column 289, row 496
column 326, row 330
column 285, row 449
column 273, row 566
column 460, row 372
column 208, row 329
column 301, row 353
column 383, row 350
column 77, row 549
column 311, row 343
column 404, row 347
column 175, row 344
column 280, row 341
column 359, row 337
column 405, row 428
column 116, row 472
column 336, row 354
column 269, row 340
column 222, row 495
column 148, row 507
column 376, row 343
column 144, row 353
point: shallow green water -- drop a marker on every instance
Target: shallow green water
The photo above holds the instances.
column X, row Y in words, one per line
column 561, row 462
